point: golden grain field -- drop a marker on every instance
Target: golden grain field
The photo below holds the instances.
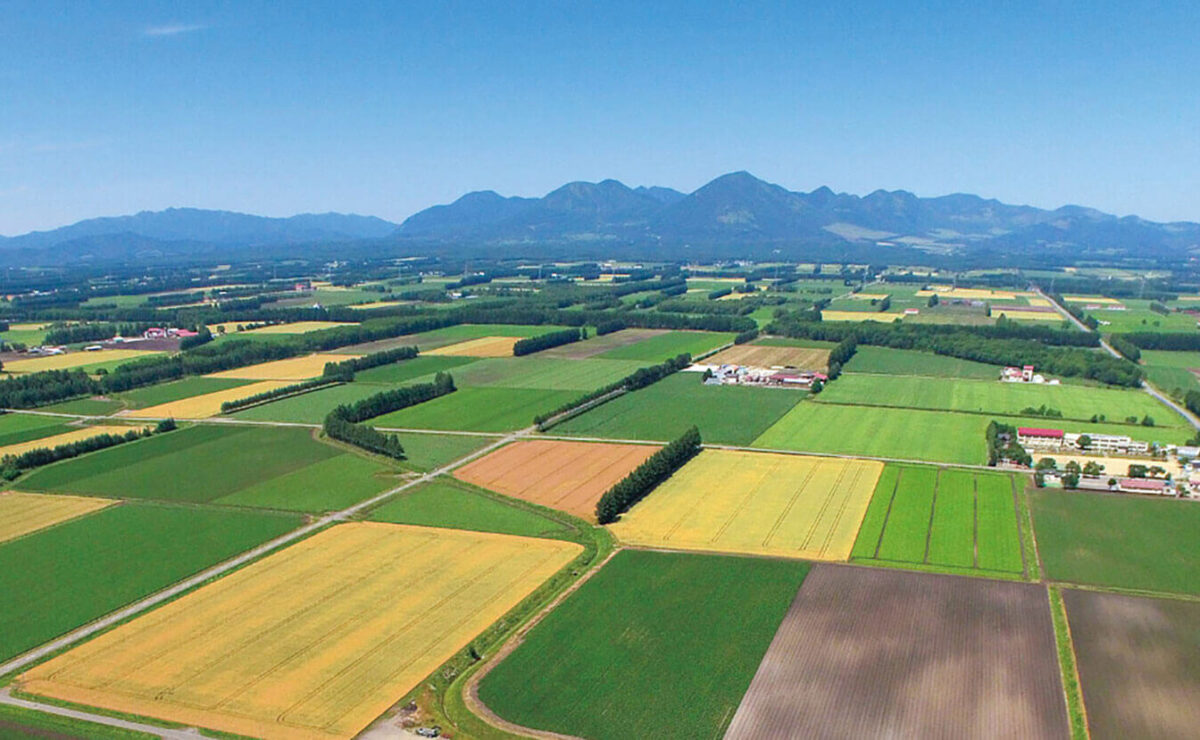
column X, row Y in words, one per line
column 870, row 296
column 969, row 293
column 375, row 304
column 1018, row 314
column 883, row 316
column 1091, row 299
column 203, row 406
column 55, row 440
column 73, row 359
column 315, row 641
column 293, row 368
column 761, row 355
column 482, row 347
column 296, row 327
column 759, row 503
column 22, row 513
column 1038, row 302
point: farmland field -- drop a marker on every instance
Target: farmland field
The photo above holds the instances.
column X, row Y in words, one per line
column 405, row 370
column 664, row 410
column 490, row 346
column 570, row 476
column 94, row 406
column 65, row 436
column 153, row 395
column 866, row 652
column 292, row 369
column 755, row 355
column 478, row 410
column 1139, row 663
column 311, row 407
column 1118, row 540
column 551, row 373
column 756, row 503
column 23, row 513
column 17, row 428
column 662, row 347
column 957, row 519
column 330, row 484
column 885, row 360
column 343, row 624
column 597, row 345
column 611, row 663
column 75, row 572
column 18, row 722
column 1172, row 371
column 74, row 360
column 445, row 503
column 206, row 405
column 1074, row 401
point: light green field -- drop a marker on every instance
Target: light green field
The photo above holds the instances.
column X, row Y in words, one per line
column 662, row 347
column 1172, row 371
column 478, row 410
column 956, row 520
column 545, row 372
column 447, row 503
column 153, row 395
column 885, row 360
column 991, row 396
column 17, row 428
column 312, row 407
column 406, row 370
column 328, row 485
column 1139, row 317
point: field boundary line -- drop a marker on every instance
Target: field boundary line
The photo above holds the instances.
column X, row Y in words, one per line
column 937, row 483
column 975, row 522
column 888, row 514
column 471, row 689
column 7, row 698
column 1072, row 690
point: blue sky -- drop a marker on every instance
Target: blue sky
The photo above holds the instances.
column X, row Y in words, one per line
column 386, row 108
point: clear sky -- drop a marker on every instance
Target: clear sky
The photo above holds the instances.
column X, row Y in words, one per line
column 386, row 108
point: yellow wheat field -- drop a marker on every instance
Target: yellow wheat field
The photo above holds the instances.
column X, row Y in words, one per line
column 969, row 294
column 315, row 641
column 1091, row 299
column 293, row 368
column 203, row 406
column 1018, row 314
column 55, row 440
column 482, row 347
column 882, row 316
column 761, row 355
column 754, row 502
column 72, row 359
column 1038, row 302
column 22, row 513
column 37, row 326
column 375, row 304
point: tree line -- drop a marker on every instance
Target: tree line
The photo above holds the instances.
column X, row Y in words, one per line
column 530, row 345
column 13, row 465
column 342, row 423
column 346, row 369
column 643, row 479
column 287, row 390
column 639, row 378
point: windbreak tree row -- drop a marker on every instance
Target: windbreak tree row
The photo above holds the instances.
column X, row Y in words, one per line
column 656, row 469
column 343, row 422
column 639, row 378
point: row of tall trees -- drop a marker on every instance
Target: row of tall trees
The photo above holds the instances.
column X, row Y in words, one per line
column 13, row 465
column 346, row 369
column 288, row 390
column 639, row 378
column 656, row 469
column 342, row 423
column 530, row 345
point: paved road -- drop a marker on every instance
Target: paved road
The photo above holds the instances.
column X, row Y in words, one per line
column 8, row 698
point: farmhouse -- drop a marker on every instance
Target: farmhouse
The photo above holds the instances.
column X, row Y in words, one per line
column 1144, row 485
column 1024, row 374
column 1041, row 439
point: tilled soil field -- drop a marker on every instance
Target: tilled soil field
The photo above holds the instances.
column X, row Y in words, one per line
column 882, row 653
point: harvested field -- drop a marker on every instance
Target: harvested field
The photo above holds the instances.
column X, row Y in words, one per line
column 75, row 435
column 1021, row 313
column 882, row 653
column 177, row 390
column 753, row 355
column 881, row 316
column 72, row 359
column 22, row 513
column 757, row 503
column 597, row 345
column 569, row 476
column 1139, row 663
column 664, row 346
column 376, row 304
column 341, row 625
column 482, row 347
column 293, row 368
column 204, row 406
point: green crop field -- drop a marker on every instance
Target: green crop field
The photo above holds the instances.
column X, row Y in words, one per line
column 18, row 722
column 888, row 361
column 611, row 663
column 1077, row 402
column 549, row 373
column 166, row 392
column 327, row 485
column 663, row 411
column 406, row 370
column 200, row 463
column 445, row 502
column 1172, row 371
column 1118, row 540
column 1137, row 316
column 423, row 451
column 662, row 347
column 85, row 406
column 941, row 519
column 478, row 410
column 788, row 342
column 81, row 570
column 311, row 407
column 17, row 428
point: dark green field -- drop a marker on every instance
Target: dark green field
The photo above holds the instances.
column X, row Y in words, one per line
column 478, row 410
column 166, row 392
column 890, row 361
column 17, row 428
column 71, row 574
column 1118, row 540
column 405, row 370
column 726, row 414
column 655, row 645
column 18, row 722
column 313, row 407
column 447, row 503
column 328, row 485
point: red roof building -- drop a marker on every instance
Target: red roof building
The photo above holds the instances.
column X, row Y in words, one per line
column 1148, row 485
column 1036, row 432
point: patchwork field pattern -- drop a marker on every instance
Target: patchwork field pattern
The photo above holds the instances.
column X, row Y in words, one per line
column 551, row 373
column 1139, row 663
column 293, row 368
column 958, row 519
column 342, row 625
column 758, row 503
column 75, row 435
column 868, row 652
column 73, row 359
column 481, row 347
column 203, row 406
column 22, row 513
column 754, row 355
column 569, row 476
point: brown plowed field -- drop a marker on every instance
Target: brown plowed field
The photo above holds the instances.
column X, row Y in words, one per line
column 867, row 652
column 753, row 355
column 569, row 476
column 596, row 345
column 1139, row 663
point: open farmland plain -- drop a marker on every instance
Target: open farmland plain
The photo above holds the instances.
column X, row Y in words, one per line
column 569, row 476
column 481, row 347
column 206, row 405
column 292, row 369
column 885, row 360
column 1139, row 663
column 75, row 434
column 958, row 520
column 82, row 569
column 17, row 428
column 444, row 502
column 662, row 347
column 755, row 355
column 756, row 503
column 342, row 625
column 22, row 513
column 873, row 653
column 655, row 645
column 72, row 360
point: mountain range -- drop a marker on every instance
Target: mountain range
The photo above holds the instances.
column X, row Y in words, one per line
column 735, row 215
